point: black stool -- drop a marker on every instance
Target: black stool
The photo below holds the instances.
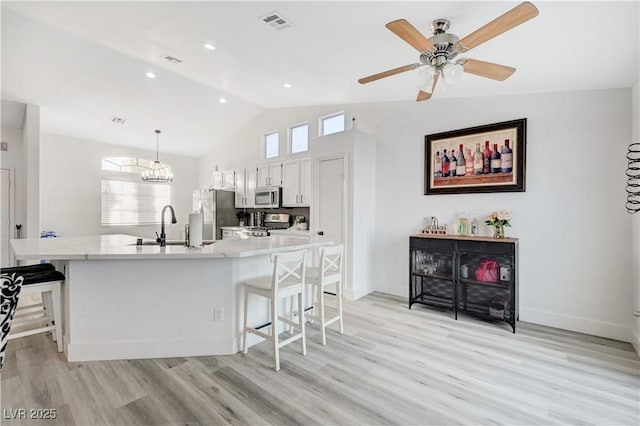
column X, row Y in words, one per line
column 43, row 279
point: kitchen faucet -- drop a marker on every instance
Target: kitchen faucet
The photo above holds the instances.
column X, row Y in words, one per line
column 162, row 238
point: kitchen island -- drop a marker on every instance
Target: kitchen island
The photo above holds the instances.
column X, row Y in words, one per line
column 128, row 301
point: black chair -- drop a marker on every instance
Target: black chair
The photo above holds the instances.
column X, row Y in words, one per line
column 10, row 286
column 43, row 279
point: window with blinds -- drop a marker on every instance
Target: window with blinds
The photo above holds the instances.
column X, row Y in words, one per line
column 126, row 203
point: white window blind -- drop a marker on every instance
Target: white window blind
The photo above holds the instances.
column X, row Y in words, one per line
column 133, row 203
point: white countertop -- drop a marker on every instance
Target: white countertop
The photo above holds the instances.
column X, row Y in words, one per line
column 120, row 246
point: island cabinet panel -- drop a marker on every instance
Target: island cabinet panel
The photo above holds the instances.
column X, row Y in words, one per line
column 476, row 276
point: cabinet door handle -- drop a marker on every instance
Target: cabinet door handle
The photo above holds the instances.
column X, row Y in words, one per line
column 636, row 313
column 301, row 198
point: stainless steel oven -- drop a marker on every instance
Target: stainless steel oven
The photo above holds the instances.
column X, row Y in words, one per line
column 268, row 198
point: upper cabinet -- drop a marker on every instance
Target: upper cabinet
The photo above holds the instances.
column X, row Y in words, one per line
column 245, row 187
column 224, row 180
column 269, row 175
column 296, row 182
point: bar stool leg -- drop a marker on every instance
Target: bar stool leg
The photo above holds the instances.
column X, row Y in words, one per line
column 274, row 332
column 301, row 321
column 57, row 315
column 339, row 296
column 322, row 323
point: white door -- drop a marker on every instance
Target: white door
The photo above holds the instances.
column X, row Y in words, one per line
column 6, row 222
column 331, row 199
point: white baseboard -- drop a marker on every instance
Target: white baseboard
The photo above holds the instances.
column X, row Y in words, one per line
column 102, row 351
column 578, row 324
column 357, row 293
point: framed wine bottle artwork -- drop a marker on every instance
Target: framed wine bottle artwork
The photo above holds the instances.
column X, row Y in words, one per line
column 481, row 159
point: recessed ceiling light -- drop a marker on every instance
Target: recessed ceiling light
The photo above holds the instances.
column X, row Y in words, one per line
column 287, row 85
column 150, row 75
column 222, row 100
column 209, row 46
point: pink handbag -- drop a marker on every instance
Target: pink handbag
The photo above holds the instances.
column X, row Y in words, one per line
column 488, row 271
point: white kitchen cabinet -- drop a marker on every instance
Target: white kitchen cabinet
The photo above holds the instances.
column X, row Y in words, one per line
column 269, row 174
column 296, row 182
column 245, row 182
column 224, row 180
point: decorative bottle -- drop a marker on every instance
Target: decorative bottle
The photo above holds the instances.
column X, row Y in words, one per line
column 453, row 163
column 469, row 162
column 495, row 160
column 507, row 158
column 474, row 225
column 461, row 169
column 445, row 164
column 486, row 159
column 437, row 166
column 477, row 161
column 463, row 224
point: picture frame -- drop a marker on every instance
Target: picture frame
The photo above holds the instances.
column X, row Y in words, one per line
column 506, row 171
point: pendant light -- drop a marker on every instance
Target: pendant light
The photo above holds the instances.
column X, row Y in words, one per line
column 160, row 172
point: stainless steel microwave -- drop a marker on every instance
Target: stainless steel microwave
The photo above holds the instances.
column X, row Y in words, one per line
column 268, row 197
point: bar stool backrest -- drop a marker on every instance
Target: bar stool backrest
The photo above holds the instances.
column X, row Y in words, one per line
column 10, row 286
column 331, row 260
column 288, row 268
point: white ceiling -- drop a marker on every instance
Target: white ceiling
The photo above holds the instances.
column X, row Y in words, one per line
column 83, row 62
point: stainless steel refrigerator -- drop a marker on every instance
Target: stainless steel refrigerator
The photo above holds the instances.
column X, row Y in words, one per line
column 217, row 208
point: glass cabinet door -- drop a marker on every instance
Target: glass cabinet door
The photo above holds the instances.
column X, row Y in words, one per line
column 485, row 285
column 432, row 277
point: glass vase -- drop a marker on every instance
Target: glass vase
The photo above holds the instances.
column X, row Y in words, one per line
column 498, row 231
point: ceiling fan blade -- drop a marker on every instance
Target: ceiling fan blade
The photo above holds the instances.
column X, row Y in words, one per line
column 403, row 29
column 388, row 73
column 487, row 69
column 424, row 96
column 516, row 16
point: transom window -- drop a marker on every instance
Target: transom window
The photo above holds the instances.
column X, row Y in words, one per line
column 271, row 144
column 332, row 123
column 299, row 138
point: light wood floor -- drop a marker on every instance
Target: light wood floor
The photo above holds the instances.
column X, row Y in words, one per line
column 392, row 366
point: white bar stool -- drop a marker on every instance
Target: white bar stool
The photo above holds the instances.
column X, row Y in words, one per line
column 287, row 280
column 329, row 273
column 43, row 279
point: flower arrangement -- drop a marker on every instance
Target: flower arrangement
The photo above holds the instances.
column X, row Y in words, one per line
column 499, row 219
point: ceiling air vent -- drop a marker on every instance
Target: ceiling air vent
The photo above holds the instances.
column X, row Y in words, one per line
column 118, row 120
column 276, row 21
column 172, row 59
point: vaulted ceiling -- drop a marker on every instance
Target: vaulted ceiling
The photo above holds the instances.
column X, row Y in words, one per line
column 84, row 62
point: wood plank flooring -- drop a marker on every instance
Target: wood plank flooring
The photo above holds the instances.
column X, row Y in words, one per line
column 393, row 366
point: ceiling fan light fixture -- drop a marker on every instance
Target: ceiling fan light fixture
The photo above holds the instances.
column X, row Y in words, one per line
column 425, row 78
column 159, row 172
column 452, row 72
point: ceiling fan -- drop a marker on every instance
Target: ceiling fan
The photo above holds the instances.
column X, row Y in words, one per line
column 437, row 53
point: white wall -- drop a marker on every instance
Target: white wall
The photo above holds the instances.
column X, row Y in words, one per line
column 574, row 272
column 13, row 159
column 70, row 172
column 635, row 220
column 573, row 229
column 31, row 171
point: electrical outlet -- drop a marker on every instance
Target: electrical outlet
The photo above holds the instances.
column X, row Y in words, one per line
column 217, row 314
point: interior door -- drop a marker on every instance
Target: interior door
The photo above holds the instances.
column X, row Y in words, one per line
column 331, row 199
column 6, row 222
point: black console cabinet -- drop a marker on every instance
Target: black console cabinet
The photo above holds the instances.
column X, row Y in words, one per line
column 474, row 275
